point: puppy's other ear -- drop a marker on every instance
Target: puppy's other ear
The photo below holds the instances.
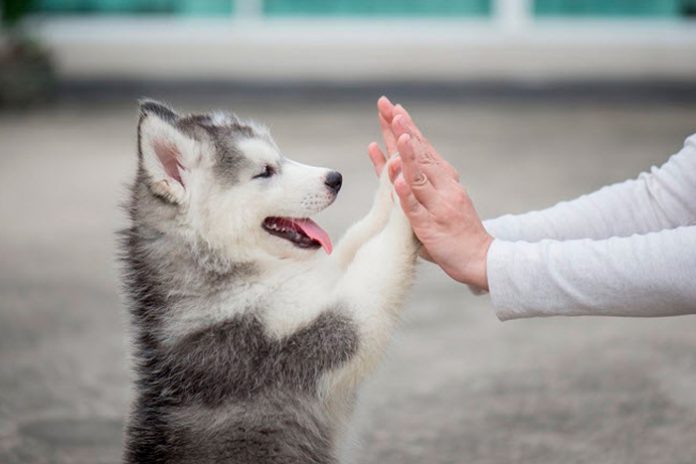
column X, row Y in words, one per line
column 166, row 153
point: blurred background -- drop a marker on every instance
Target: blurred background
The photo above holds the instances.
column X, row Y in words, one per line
column 534, row 101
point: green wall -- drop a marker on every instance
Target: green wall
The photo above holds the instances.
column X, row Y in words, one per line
column 376, row 8
column 184, row 7
column 432, row 8
column 609, row 8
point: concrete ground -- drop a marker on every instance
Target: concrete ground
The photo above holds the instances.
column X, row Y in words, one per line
column 458, row 386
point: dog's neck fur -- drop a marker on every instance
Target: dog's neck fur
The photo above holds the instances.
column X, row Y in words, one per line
column 169, row 242
column 167, row 266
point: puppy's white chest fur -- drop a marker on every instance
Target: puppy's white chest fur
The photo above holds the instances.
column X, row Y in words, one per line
column 250, row 341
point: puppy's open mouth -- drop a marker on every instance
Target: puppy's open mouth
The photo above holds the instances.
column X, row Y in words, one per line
column 303, row 233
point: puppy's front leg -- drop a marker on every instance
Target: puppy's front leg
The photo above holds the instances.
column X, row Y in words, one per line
column 366, row 228
column 374, row 286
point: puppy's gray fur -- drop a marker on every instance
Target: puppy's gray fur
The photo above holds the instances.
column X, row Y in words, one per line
column 247, row 348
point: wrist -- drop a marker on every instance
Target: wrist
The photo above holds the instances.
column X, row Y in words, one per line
column 475, row 272
column 481, row 274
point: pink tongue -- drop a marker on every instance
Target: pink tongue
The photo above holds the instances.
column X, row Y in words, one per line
column 315, row 232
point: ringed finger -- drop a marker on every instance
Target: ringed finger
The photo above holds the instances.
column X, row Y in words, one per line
column 424, row 157
column 417, row 178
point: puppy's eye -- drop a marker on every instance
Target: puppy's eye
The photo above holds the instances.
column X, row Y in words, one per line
column 268, row 171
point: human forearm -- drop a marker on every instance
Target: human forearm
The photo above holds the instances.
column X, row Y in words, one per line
column 618, row 210
column 641, row 275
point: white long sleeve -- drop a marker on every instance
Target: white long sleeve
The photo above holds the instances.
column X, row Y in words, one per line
column 628, row 250
column 641, row 275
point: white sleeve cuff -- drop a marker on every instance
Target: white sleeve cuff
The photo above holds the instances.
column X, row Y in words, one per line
column 505, row 286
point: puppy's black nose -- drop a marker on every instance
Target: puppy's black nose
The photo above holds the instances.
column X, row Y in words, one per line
column 334, row 180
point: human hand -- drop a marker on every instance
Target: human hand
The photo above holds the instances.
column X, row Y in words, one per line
column 439, row 209
column 386, row 111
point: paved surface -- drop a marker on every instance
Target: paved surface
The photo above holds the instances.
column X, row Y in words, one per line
column 458, row 386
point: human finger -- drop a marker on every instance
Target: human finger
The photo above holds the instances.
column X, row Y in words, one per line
column 408, row 123
column 416, row 213
column 377, row 157
column 385, row 108
column 387, row 135
column 403, row 124
column 426, row 154
column 416, row 177
column 418, row 163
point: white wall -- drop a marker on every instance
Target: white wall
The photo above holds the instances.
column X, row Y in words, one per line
column 510, row 46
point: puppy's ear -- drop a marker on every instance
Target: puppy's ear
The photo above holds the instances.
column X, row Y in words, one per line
column 166, row 153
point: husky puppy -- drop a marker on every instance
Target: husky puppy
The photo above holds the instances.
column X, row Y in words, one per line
column 249, row 340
